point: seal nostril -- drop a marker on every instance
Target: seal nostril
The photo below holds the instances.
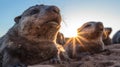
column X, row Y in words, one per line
column 54, row 9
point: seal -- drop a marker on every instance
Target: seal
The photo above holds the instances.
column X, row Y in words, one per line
column 62, row 54
column 106, row 36
column 60, row 38
column 116, row 38
column 88, row 39
column 32, row 38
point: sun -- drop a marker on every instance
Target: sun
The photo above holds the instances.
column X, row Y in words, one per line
column 69, row 29
column 72, row 34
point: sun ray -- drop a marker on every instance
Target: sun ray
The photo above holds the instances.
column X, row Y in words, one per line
column 81, row 44
column 74, row 45
column 77, row 40
column 80, row 33
column 68, row 41
column 82, row 38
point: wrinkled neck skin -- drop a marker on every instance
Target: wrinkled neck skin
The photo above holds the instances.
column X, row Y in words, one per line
column 87, row 40
column 91, row 36
column 92, row 43
column 44, row 34
column 6, row 39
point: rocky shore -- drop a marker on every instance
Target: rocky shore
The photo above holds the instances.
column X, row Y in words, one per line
column 108, row 58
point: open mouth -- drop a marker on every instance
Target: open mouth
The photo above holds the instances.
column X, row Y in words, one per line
column 55, row 21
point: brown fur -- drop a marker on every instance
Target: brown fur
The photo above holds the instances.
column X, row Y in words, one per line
column 106, row 36
column 32, row 39
column 60, row 38
column 89, row 39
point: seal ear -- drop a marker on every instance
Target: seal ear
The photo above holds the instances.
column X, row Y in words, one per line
column 17, row 19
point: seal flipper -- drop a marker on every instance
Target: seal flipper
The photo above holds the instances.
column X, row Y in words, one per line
column 9, row 61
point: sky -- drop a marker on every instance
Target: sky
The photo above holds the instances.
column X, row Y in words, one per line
column 74, row 13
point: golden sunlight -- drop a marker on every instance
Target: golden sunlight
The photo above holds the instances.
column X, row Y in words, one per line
column 76, row 40
column 72, row 34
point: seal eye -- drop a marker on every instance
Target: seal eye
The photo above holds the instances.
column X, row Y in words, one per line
column 88, row 25
column 35, row 11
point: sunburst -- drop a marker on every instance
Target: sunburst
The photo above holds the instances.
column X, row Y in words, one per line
column 76, row 40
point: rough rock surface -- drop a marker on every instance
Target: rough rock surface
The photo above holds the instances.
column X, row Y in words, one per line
column 108, row 58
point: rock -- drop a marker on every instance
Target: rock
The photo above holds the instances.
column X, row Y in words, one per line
column 107, row 58
column 41, row 66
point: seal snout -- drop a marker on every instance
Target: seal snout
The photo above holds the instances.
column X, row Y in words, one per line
column 55, row 15
column 53, row 9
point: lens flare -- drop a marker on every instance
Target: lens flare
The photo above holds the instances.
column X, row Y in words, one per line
column 77, row 40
